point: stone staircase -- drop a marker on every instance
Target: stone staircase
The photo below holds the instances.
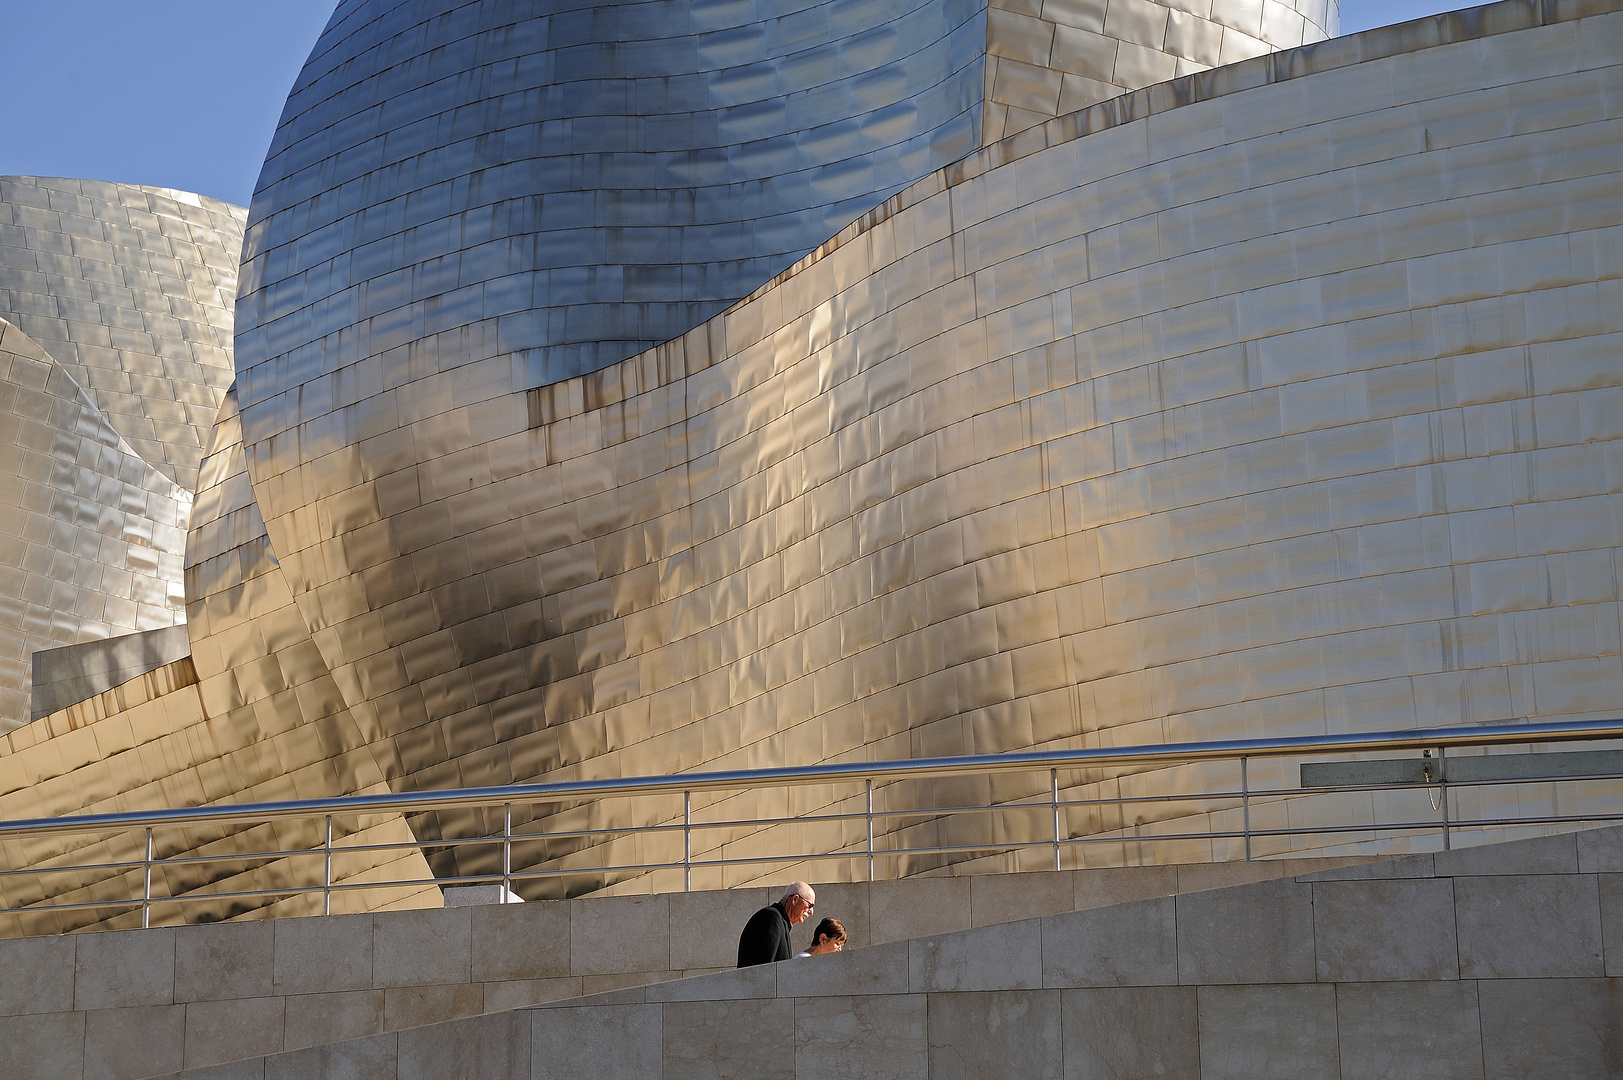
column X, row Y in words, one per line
column 1487, row 962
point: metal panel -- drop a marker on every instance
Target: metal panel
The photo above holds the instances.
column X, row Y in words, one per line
column 1227, row 451
column 1089, row 51
column 91, row 534
column 1233, row 367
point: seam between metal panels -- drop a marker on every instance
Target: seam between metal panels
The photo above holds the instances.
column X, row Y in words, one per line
column 555, row 401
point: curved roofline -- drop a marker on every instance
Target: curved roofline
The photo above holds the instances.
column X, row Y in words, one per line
column 177, row 194
column 555, row 401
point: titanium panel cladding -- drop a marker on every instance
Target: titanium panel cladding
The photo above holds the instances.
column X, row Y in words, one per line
column 132, row 290
column 1276, row 399
column 565, row 185
column 116, row 345
column 1048, row 59
column 1256, row 402
column 91, row 534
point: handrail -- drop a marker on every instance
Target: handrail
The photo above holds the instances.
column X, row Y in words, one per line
column 918, row 768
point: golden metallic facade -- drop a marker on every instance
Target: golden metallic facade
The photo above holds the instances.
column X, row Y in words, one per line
column 1275, row 400
column 133, row 289
column 1186, row 419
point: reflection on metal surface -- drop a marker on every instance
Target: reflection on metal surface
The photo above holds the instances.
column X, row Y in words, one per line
column 150, row 743
column 561, row 189
column 66, row 676
column 94, row 536
column 1389, row 800
column 1115, row 434
column 115, row 350
column 91, row 535
column 1048, row 59
column 131, row 290
column 1274, row 400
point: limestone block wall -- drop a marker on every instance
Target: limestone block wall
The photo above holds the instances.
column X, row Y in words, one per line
column 137, row 1003
column 1045, row 58
column 1498, row 962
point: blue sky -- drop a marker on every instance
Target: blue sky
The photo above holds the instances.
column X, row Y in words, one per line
column 177, row 93
column 186, row 93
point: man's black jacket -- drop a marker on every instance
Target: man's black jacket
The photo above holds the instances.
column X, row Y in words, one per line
column 765, row 937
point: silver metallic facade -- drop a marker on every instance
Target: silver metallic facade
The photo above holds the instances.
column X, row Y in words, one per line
column 1278, row 398
column 131, row 289
column 565, row 185
column 115, row 350
column 1130, row 433
column 1046, row 58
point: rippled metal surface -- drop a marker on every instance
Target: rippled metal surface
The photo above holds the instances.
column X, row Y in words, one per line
column 134, row 286
column 1276, row 400
column 527, row 192
column 91, row 534
column 1051, row 58
column 251, row 715
column 131, row 289
column 114, row 354
column 1200, row 424
column 256, row 666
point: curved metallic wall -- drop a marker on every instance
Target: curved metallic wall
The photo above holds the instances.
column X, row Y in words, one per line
column 1281, row 410
column 251, row 715
column 1275, row 400
column 565, row 185
column 131, row 289
column 1054, row 57
column 117, row 343
column 91, row 535
column 258, row 671
column 367, row 301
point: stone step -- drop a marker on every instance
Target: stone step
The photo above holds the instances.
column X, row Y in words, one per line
column 138, row 1003
column 1489, row 955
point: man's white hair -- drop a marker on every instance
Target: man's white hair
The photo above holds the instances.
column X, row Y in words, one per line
column 797, row 888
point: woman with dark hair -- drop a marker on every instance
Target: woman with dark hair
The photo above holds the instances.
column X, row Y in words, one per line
column 829, row 937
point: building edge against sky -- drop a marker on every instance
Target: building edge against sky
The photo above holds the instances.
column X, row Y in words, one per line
column 1268, row 401
column 116, row 343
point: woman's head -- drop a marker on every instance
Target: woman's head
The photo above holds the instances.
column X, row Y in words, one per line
column 828, row 937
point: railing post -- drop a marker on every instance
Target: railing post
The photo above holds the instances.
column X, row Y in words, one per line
column 1442, row 786
column 146, row 884
column 326, row 870
column 1053, row 797
column 507, row 851
column 1245, row 805
column 870, row 830
column 687, row 841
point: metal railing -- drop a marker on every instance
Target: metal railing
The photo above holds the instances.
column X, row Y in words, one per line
column 1087, row 771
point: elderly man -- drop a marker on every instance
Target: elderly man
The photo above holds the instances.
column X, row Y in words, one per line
column 766, row 935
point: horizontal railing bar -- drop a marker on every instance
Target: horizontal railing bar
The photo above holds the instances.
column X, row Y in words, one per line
column 921, row 812
column 136, row 865
column 184, row 860
column 291, row 890
column 84, row 905
column 418, row 845
column 822, row 857
column 413, row 802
